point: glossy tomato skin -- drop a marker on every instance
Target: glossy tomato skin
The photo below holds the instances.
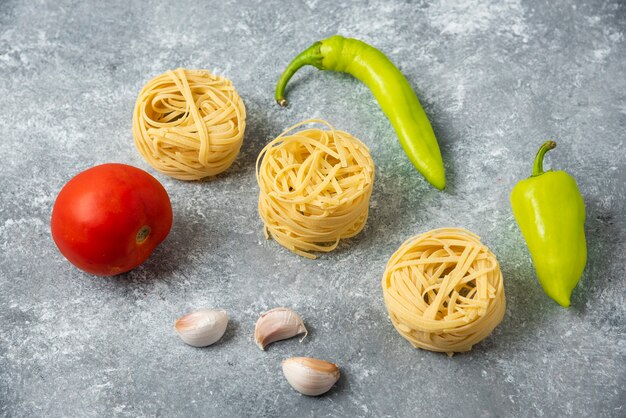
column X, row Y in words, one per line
column 108, row 219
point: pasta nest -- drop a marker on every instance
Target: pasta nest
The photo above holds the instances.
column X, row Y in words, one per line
column 189, row 124
column 444, row 290
column 315, row 187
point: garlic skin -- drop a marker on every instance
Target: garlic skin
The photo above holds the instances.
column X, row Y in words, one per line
column 278, row 324
column 202, row 328
column 310, row 376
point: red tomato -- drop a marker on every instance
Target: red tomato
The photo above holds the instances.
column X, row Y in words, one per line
column 108, row 219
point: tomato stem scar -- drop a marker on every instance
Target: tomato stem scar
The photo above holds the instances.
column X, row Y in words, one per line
column 143, row 234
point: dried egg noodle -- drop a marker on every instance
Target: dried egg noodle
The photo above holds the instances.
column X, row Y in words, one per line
column 189, row 124
column 315, row 187
column 444, row 290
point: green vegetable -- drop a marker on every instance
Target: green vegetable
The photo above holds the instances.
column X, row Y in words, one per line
column 551, row 215
column 390, row 88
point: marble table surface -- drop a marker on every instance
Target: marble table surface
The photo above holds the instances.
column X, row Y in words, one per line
column 496, row 78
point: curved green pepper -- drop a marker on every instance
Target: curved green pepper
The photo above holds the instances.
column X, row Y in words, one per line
column 551, row 215
column 390, row 88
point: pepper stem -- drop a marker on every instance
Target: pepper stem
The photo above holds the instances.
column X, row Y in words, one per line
column 538, row 166
column 310, row 56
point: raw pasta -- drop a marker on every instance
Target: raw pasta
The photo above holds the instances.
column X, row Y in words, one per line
column 444, row 290
column 189, row 124
column 315, row 187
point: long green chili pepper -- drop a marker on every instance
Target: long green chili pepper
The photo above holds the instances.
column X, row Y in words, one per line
column 390, row 88
column 551, row 215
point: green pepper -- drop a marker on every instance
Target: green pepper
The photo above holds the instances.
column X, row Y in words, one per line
column 551, row 215
column 390, row 88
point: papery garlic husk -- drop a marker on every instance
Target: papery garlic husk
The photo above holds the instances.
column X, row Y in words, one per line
column 202, row 328
column 278, row 324
column 310, row 376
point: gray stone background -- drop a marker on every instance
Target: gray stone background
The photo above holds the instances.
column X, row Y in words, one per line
column 497, row 78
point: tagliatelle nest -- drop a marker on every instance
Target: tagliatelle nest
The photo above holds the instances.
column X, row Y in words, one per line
column 314, row 188
column 189, row 124
column 444, row 290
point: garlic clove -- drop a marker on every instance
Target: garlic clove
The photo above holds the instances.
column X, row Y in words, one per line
column 278, row 324
column 202, row 328
column 309, row 376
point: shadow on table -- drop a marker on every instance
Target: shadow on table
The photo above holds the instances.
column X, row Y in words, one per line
column 168, row 258
column 604, row 248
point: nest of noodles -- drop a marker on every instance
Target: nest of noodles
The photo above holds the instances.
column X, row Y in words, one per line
column 189, row 124
column 314, row 188
column 444, row 290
